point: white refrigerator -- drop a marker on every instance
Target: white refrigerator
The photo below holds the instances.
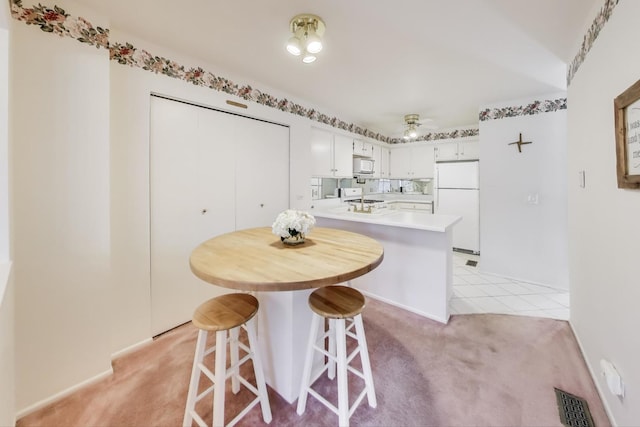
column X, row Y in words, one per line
column 457, row 192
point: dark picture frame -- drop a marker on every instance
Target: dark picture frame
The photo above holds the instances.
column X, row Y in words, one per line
column 627, row 123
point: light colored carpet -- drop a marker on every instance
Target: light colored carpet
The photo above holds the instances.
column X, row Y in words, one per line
column 479, row 370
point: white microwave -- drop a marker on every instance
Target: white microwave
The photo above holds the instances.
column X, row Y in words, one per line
column 362, row 166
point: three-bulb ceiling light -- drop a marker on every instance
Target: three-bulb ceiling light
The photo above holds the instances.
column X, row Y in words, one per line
column 306, row 40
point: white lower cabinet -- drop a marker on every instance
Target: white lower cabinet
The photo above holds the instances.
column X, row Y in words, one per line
column 210, row 173
column 409, row 162
column 412, row 206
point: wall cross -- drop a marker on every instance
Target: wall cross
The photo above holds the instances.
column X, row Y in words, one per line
column 520, row 143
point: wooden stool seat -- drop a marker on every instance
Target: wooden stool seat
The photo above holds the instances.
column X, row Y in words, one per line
column 225, row 312
column 339, row 304
column 231, row 312
column 336, row 302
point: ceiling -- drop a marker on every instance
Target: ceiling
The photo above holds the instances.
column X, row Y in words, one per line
column 382, row 59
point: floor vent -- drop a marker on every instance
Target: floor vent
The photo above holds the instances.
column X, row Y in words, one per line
column 472, row 263
column 574, row 411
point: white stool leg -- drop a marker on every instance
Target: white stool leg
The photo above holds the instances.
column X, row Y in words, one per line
column 233, row 350
column 257, row 369
column 366, row 365
column 195, row 378
column 331, row 371
column 308, row 362
column 343, row 387
column 220, row 374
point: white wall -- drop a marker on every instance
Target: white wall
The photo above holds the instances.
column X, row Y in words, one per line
column 7, row 301
column 60, row 210
column 603, row 230
column 7, row 345
column 4, row 134
column 519, row 239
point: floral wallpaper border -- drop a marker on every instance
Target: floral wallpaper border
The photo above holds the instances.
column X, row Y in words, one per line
column 536, row 107
column 592, row 34
column 57, row 21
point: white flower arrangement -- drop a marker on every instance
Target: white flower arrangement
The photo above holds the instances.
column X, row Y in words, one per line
column 293, row 224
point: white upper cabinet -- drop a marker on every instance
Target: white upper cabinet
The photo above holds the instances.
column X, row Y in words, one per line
column 411, row 162
column 362, row 148
column 380, row 161
column 462, row 150
column 342, row 156
column 332, row 155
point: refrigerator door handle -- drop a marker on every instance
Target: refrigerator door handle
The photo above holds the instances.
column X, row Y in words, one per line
column 437, row 189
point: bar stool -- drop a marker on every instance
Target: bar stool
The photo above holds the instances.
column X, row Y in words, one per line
column 221, row 314
column 337, row 303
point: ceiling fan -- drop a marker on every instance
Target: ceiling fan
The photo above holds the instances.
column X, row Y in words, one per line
column 412, row 122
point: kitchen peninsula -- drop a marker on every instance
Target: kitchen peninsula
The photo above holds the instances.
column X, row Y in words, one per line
column 417, row 273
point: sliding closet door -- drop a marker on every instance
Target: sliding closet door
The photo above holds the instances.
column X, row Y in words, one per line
column 262, row 177
column 192, row 199
column 211, row 173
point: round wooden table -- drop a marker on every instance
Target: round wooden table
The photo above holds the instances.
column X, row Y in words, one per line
column 256, row 260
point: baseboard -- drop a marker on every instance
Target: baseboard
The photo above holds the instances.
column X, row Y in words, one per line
column 594, row 377
column 404, row 307
column 131, row 348
column 64, row 393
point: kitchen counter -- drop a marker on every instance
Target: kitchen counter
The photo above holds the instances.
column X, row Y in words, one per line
column 391, row 217
column 417, row 274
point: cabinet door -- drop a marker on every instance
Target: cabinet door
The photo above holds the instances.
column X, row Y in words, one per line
column 400, row 162
column 342, row 156
column 380, row 161
column 362, row 148
column 262, row 172
column 384, row 162
column 468, row 150
column 446, row 151
column 377, row 161
column 322, row 153
column 422, row 161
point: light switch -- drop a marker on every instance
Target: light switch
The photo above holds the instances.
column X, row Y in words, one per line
column 532, row 198
column 581, row 177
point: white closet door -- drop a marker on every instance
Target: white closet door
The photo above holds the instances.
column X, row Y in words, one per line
column 262, row 173
column 210, row 173
column 216, row 172
column 187, row 167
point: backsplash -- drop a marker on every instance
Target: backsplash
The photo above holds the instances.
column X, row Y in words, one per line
column 323, row 188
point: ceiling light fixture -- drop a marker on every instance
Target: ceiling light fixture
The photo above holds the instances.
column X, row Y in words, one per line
column 412, row 123
column 306, row 39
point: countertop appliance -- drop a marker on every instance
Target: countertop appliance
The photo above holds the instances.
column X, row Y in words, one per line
column 362, row 166
column 457, row 192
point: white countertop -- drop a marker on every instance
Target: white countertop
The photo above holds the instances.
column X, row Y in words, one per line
column 391, row 217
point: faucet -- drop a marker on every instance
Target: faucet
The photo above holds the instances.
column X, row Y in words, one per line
column 362, row 210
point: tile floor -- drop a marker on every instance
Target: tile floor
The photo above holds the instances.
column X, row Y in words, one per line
column 476, row 292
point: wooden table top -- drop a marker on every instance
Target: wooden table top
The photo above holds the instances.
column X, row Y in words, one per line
column 256, row 260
